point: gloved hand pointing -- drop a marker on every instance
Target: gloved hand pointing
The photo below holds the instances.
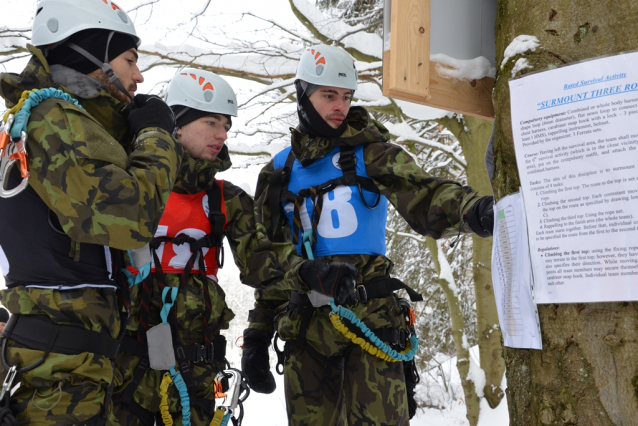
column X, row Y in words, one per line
column 480, row 217
column 334, row 279
column 150, row 111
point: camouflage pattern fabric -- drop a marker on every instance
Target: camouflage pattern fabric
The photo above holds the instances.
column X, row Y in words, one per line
column 432, row 206
column 65, row 389
column 368, row 391
column 106, row 187
column 189, row 307
column 104, row 190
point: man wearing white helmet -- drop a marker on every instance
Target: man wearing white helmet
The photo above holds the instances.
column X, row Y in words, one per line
column 95, row 177
column 187, row 252
column 349, row 339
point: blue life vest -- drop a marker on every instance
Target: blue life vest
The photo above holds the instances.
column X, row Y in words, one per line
column 346, row 224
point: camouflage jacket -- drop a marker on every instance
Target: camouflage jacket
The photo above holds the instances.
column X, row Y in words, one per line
column 105, row 185
column 244, row 244
column 432, row 206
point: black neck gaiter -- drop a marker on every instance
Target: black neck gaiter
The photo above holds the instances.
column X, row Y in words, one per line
column 311, row 122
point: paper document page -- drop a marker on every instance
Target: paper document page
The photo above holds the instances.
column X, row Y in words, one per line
column 511, row 276
column 575, row 134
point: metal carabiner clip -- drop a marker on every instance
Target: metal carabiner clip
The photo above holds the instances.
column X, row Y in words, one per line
column 15, row 151
column 8, row 381
column 5, row 136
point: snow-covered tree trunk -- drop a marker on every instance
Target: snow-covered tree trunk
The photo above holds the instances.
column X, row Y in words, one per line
column 473, row 134
column 468, row 370
column 587, row 372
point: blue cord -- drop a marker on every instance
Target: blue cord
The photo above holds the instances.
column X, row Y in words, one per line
column 178, row 380
column 307, row 242
column 34, row 99
column 350, row 316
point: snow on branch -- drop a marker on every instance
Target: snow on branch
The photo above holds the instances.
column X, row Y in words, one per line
column 141, row 5
column 355, row 39
column 257, row 67
column 405, row 132
column 418, row 238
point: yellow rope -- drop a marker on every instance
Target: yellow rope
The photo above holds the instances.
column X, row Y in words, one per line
column 166, row 416
column 367, row 346
column 17, row 107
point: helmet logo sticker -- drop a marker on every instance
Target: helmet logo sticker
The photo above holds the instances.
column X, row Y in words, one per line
column 342, row 74
column 320, row 61
column 207, row 88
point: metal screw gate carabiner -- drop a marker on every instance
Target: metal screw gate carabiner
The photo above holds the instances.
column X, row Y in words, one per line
column 11, row 152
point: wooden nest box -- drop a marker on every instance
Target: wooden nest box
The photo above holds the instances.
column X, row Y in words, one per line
column 416, row 29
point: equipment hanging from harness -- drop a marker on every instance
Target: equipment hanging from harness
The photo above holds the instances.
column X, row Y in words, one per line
column 210, row 351
column 286, row 188
column 13, row 136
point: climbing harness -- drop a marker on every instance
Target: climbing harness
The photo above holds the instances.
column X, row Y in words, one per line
column 13, row 136
column 279, row 193
column 210, row 350
column 231, row 407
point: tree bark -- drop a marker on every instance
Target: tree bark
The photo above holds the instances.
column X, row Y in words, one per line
column 463, row 360
column 587, row 372
column 474, row 134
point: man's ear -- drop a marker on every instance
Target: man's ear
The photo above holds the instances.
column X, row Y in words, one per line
column 178, row 133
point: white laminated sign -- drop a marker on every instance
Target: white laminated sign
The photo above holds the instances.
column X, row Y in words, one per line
column 576, row 138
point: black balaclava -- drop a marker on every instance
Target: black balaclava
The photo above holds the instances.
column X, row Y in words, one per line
column 184, row 115
column 4, row 315
column 310, row 121
column 93, row 41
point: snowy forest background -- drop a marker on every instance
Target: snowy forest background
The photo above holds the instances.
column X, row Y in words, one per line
column 256, row 46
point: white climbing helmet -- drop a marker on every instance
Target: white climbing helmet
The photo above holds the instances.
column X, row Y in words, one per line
column 202, row 90
column 327, row 66
column 56, row 20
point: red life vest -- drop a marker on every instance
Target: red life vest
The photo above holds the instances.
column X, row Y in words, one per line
column 187, row 214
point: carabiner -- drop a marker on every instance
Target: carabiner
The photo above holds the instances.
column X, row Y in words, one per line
column 16, row 152
column 8, row 381
column 5, row 137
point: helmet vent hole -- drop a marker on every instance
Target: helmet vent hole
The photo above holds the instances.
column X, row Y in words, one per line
column 38, row 12
column 208, row 95
column 52, row 24
column 319, row 69
column 122, row 16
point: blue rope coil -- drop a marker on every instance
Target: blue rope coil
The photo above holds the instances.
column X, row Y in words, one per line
column 35, row 97
column 350, row 316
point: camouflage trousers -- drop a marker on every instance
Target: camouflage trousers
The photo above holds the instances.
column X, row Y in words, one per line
column 367, row 391
column 64, row 389
column 144, row 409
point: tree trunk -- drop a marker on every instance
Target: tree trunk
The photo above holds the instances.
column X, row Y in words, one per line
column 474, row 134
column 463, row 358
column 587, row 372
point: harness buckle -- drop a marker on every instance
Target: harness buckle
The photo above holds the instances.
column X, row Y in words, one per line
column 362, row 294
column 8, row 381
column 402, row 339
column 205, row 353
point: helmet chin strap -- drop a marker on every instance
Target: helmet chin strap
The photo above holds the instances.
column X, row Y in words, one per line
column 105, row 66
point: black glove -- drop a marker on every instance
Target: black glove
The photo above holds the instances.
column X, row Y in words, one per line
column 412, row 378
column 480, row 217
column 334, row 279
column 255, row 363
column 150, row 111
